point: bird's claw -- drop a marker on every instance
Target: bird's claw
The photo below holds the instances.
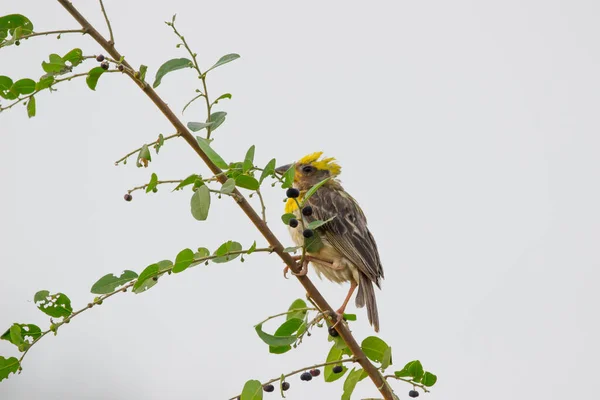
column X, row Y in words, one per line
column 303, row 271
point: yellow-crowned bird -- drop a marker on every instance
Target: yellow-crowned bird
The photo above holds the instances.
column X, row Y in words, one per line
column 349, row 252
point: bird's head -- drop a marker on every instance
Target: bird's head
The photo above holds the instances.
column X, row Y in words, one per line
column 312, row 169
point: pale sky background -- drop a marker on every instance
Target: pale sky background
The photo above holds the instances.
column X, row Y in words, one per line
column 467, row 130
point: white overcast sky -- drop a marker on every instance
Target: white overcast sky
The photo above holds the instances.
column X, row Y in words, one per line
column 467, row 130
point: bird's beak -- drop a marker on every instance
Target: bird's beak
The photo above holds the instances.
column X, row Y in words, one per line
column 281, row 170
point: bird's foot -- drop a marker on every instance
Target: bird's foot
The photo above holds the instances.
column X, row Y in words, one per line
column 303, row 270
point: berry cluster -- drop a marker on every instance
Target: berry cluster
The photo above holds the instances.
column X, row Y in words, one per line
column 307, row 211
column 104, row 64
column 305, row 376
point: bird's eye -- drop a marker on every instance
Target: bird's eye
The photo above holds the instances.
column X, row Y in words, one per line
column 307, row 169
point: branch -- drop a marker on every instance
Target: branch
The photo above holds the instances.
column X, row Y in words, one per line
column 241, row 201
column 262, row 206
column 353, row 359
column 110, row 32
column 408, row 381
column 148, row 145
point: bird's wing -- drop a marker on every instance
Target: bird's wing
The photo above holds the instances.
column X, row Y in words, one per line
column 347, row 232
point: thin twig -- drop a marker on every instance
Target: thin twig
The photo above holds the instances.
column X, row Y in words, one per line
column 147, row 145
column 112, row 38
column 59, row 32
column 262, row 206
column 338, row 362
column 286, row 313
column 408, row 381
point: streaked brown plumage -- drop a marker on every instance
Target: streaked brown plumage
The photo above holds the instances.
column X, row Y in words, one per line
column 349, row 253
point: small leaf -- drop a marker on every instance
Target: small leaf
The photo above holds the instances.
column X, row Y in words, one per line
column 355, row 376
column 314, row 243
column 297, row 304
column 412, row 369
column 374, row 348
column 253, row 390
column 55, row 65
column 268, row 170
column 152, row 184
column 197, row 126
column 170, row 66
column 109, row 283
column 335, row 354
column 288, row 177
column 249, row 159
column 288, row 328
column 24, row 86
column 8, row 366
column 216, row 119
column 31, row 107
column 143, row 70
column 350, row 317
column 202, row 252
column 246, row 182
column 211, row 154
column 183, row 260
column 291, row 249
column 221, row 97
column 275, row 341
column 429, row 379
column 187, row 181
column 143, row 157
column 55, row 305
column 386, row 361
column 286, row 218
column 313, row 190
column 93, row 76
column 19, row 334
column 228, row 186
column 252, row 248
column 146, row 279
column 5, row 83
column 224, row 60
column 200, row 203
column 75, row 57
column 44, row 83
column 224, row 249
column 318, row 223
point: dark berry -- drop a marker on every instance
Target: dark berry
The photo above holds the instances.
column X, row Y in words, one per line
column 121, row 68
column 104, row 65
column 285, row 386
column 128, row 197
column 306, row 376
column 17, row 43
column 292, row 193
column 268, row 388
column 337, row 369
column 333, row 332
column 293, row 222
column 307, row 211
column 413, row 393
column 315, row 372
column 100, row 58
column 308, row 233
column 154, row 190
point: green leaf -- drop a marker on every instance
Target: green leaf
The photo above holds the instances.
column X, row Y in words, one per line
column 197, row 126
column 187, row 181
column 55, row 65
column 291, row 249
column 318, row 223
column 288, row 328
column 412, row 369
column 386, row 361
column 216, row 119
column 350, row 317
column 22, row 334
column 296, row 304
column 10, row 23
column 246, row 182
column 170, row 66
column 146, row 279
column 228, row 186
column 75, row 57
column 252, row 391
column 288, row 177
column 5, row 83
column 55, row 305
column 93, row 76
column 355, row 376
column 143, row 70
column 152, row 184
column 110, row 282
column 202, row 252
column 224, row 60
column 313, row 190
column 200, row 203
column 221, row 97
column 183, row 260
column 161, row 142
column 31, row 107
column 15, row 334
column 314, row 244
column 286, row 218
column 225, row 248
column 44, row 83
column 272, row 340
column 24, row 86
column 249, row 159
column 8, row 366
column 335, row 354
column 374, row 348
column 211, row 154
column 143, row 157
column 252, row 248
column 268, row 170
column 429, row 379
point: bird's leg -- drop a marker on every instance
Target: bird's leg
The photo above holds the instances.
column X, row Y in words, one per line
column 340, row 311
column 333, row 264
column 303, row 270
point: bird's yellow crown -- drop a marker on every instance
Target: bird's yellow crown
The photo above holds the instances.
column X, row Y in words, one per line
column 327, row 164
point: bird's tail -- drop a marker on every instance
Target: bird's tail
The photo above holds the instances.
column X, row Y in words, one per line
column 366, row 295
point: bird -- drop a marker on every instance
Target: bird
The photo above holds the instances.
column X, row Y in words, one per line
column 347, row 251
